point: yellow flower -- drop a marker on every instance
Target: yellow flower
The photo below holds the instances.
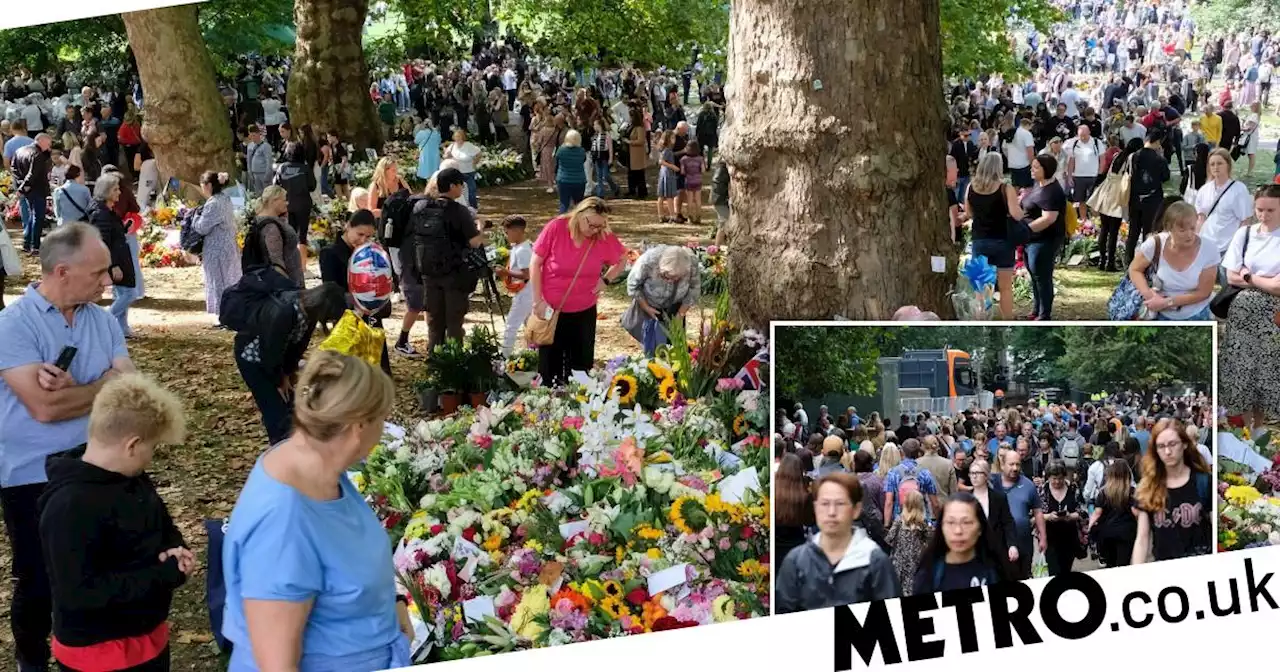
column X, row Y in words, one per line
column 527, row 499
column 1229, row 539
column 624, row 388
column 722, row 609
column 1234, row 479
column 1242, row 495
column 612, row 589
column 677, row 514
column 740, row 425
column 750, row 568
column 667, row 390
column 654, row 553
column 647, row 532
column 535, row 602
column 357, row 480
column 493, row 543
column 618, row 554
column 659, row 370
column 614, row 607
column 533, row 545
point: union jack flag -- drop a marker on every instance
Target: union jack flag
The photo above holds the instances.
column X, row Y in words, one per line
column 750, row 372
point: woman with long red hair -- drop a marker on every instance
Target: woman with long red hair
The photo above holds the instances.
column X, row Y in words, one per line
column 1174, row 498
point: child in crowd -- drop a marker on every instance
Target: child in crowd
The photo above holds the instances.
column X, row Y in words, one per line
column 692, row 165
column 908, row 537
column 113, row 554
column 516, row 276
column 668, row 191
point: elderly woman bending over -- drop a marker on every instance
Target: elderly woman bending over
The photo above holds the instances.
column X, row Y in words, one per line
column 664, row 283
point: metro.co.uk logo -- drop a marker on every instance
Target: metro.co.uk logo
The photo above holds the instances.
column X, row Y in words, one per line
column 1011, row 605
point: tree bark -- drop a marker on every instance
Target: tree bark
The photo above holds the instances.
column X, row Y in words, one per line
column 184, row 118
column 835, row 141
column 329, row 86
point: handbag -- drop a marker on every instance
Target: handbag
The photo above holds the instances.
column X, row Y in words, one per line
column 542, row 330
column 1126, row 301
column 1017, row 231
column 215, row 586
column 1126, row 174
column 1105, row 199
column 1220, row 304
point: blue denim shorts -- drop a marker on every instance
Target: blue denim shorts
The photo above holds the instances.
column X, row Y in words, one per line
column 999, row 253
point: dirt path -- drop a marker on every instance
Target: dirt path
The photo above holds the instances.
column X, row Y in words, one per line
column 201, row 479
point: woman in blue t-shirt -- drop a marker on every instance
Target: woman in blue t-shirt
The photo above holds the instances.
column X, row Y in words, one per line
column 310, row 582
column 960, row 554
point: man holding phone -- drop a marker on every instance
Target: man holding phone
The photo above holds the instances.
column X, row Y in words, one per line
column 57, row 349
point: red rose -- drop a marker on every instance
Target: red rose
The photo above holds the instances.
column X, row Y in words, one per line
column 469, row 534
column 392, row 520
column 596, row 539
column 747, row 532
column 671, row 623
column 437, row 528
column 638, row 596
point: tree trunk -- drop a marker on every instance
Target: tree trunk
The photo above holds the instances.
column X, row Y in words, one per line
column 835, row 140
column 329, row 86
column 184, row 118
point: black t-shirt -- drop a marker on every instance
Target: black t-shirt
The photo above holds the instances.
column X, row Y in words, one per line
column 1182, row 528
column 1064, row 127
column 962, row 475
column 1116, row 522
column 1149, row 173
column 1046, row 198
column 960, row 152
column 972, row 574
column 334, row 260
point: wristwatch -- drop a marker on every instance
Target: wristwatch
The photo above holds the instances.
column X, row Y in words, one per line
column 1248, row 277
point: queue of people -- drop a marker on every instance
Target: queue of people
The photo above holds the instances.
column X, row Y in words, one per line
column 865, row 511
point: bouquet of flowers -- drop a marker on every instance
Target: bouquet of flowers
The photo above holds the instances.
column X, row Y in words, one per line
column 522, row 369
column 501, row 165
column 714, row 265
column 1249, row 494
column 612, row 505
column 974, row 295
column 159, row 239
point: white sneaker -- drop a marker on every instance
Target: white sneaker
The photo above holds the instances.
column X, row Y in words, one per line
column 407, row 350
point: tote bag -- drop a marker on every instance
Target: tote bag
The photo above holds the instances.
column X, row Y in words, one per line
column 541, row 329
column 1126, row 302
column 1106, row 198
column 9, row 260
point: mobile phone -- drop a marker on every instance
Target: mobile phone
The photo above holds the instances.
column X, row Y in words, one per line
column 546, row 314
column 65, row 357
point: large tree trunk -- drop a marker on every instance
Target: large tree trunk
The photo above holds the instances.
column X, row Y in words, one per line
column 835, row 140
column 329, row 86
column 184, row 118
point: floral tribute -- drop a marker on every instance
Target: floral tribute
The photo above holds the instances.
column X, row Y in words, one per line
column 158, row 240
column 1249, row 496
column 617, row 504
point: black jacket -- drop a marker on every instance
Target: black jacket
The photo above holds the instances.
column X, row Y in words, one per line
column 1000, row 526
column 807, row 580
column 114, row 235
column 298, row 181
column 31, row 166
column 102, row 533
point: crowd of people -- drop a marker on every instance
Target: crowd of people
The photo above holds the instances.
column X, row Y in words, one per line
column 865, row 510
column 1115, row 100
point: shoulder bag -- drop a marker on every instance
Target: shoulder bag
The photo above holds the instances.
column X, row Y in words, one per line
column 1126, row 302
column 1220, row 305
column 1126, row 174
column 542, row 330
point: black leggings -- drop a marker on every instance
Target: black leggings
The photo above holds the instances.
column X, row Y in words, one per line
column 1108, row 237
column 636, row 186
column 1115, row 551
column 1060, row 554
column 574, row 348
column 1143, row 212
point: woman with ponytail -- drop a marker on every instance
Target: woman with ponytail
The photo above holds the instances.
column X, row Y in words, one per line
column 216, row 222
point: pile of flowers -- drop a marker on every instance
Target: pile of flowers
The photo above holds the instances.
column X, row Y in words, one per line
column 158, row 240
column 617, row 504
column 498, row 165
column 715, row 268
column 327, row 222
column 1249, row 497
column 8, row 197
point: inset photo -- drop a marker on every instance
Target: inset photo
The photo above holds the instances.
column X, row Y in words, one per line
column 925, row 458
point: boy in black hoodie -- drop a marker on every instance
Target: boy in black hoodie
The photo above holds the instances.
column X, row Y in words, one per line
column 113, row 553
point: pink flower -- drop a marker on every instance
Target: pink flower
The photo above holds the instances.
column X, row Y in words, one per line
column 482, row 440
column 572, row 422
column 713, row 249
column 724, row 543
column 728, row 385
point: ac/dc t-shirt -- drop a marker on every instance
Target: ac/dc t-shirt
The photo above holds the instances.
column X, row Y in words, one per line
column 1182, row 528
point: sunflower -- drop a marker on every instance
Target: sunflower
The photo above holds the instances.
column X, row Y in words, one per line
column 667, row 390
column 614, row 607
column 612, row 589
column 740, row 425
column 624, row 387
column 687, row 515
column 750, row 568
column 659, row 370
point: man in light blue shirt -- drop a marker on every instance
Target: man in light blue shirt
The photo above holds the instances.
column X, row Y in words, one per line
column 44, row 410
column 1141, row 433
column 19, row 140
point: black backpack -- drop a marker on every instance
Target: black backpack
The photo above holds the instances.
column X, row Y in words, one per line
column 434, row 252
column 254, row 254
column 396, row 212
column 188, row 239
column 248, row 306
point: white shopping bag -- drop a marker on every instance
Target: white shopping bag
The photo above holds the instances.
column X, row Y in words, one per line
column 8, row 255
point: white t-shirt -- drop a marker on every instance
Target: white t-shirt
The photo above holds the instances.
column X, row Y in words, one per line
column 1071, row 98
column 1173, row 282
column 1263, row 257
column 1128, row 133
column 271, row 114
column 465, row 154
column 31, row 114
column 1235, row 206
column 1087, row 155
column 509, row 80
column 521, row 259
column 1016, row 150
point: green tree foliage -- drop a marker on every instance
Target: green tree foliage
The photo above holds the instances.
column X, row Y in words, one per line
column 435, row 28
column 1229, row 16
column 976, row 36
column 641, row 32
column 1097, row 358
column 99, row 47
column 815, row 361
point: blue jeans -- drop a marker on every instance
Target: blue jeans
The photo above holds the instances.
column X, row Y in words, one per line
column 1040, row 260
column 962, row 184
column 123, row 297
column 1201, row 316
column 602, row 176
column 570, row 194
column 472, row 199
column 32, row 210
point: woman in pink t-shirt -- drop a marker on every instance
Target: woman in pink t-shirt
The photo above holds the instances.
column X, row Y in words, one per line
column 579, row 239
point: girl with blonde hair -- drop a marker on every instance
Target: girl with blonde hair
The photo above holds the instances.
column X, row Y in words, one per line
column 908, row 536
column 1186, row 269
column 890, row 457
column 989, row 203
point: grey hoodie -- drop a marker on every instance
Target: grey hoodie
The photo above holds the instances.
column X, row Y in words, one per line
column 807, row 580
